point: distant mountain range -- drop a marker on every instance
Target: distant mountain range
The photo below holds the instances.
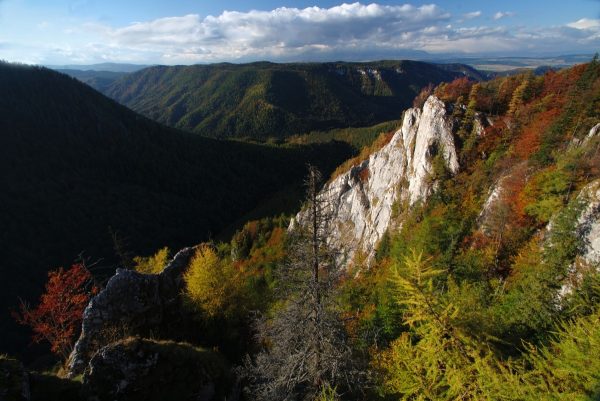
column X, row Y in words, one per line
column 99, row 80
column 78, row 169
column 265, row 100
column 110, row 67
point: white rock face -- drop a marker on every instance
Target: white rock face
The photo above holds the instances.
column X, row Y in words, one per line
column 589, row 222
column 588, row 229
column 594, row 131
column 588, row 225
column 362, row 198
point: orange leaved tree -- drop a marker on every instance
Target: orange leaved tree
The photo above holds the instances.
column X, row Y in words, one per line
column 57, row 318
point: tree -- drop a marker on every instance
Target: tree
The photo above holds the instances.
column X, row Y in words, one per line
column 57, row 318
column 152, row 264
column 437, row 359
column 306, row 347
column 212, row 284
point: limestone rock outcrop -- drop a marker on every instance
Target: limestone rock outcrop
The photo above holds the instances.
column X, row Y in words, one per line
column 141, row 369
column 495, row 207
column 131, row 304
column 589, row 223
column 362, row 199
column 588, row 231
column 594, row 131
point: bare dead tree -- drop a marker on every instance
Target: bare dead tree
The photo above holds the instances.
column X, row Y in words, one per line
column 305, row 343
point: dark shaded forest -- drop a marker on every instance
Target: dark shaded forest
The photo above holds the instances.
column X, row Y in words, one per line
column 81, row 174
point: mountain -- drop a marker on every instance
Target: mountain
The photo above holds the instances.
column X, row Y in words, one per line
column 536, row 134
column 265, row 100
column 107, row 67
column 100, row 80
column 81, row 173
column 471, row 231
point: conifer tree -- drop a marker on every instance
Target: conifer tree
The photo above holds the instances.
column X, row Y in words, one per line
column 436, row 359
column 306, row 348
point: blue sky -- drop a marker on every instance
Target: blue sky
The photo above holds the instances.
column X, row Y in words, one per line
column 199, row 31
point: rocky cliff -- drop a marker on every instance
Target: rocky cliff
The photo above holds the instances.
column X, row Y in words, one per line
column 363, row 198
column 131, row 304
column 588, row 232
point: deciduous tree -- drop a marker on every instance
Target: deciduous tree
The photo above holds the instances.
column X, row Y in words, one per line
column 57, row 318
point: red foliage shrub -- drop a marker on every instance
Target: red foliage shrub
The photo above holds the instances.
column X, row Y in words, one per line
column 514, row 184
column 420, row 99
column 450, row 92
column 558, row 84
column 57, row 318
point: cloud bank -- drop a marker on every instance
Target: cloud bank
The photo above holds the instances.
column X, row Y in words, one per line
column 348, row 31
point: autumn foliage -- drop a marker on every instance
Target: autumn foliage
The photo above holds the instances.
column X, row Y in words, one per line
column 57, row 318
column 450, row 92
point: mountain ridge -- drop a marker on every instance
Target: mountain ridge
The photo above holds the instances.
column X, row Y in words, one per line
column 267, row 100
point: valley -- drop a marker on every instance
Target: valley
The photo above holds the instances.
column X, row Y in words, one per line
column 442, row 245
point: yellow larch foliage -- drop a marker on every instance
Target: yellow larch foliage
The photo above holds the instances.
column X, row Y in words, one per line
column 152, row 264
column 210, row 282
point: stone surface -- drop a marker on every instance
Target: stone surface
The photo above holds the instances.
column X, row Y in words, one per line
column 588, row 230
column 131, row 304
column 145, row 370
column 363, row 198
column 14, row 380
column 594, row 131
column 589, row 223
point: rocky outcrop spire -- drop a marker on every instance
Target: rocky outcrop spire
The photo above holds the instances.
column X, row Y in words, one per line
column 363, row 197
column 131, row 304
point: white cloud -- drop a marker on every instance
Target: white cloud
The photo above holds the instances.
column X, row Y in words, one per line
column 585, row 23
column 471, row 15
column 348, row 31
column 283, row 31
column 503, row 14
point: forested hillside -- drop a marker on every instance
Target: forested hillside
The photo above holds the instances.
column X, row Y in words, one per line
column 266, row 100
column 485, row 284
column 487, row 289
column 82, row 174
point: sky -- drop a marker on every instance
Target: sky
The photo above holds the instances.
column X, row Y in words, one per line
column 201, row 31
